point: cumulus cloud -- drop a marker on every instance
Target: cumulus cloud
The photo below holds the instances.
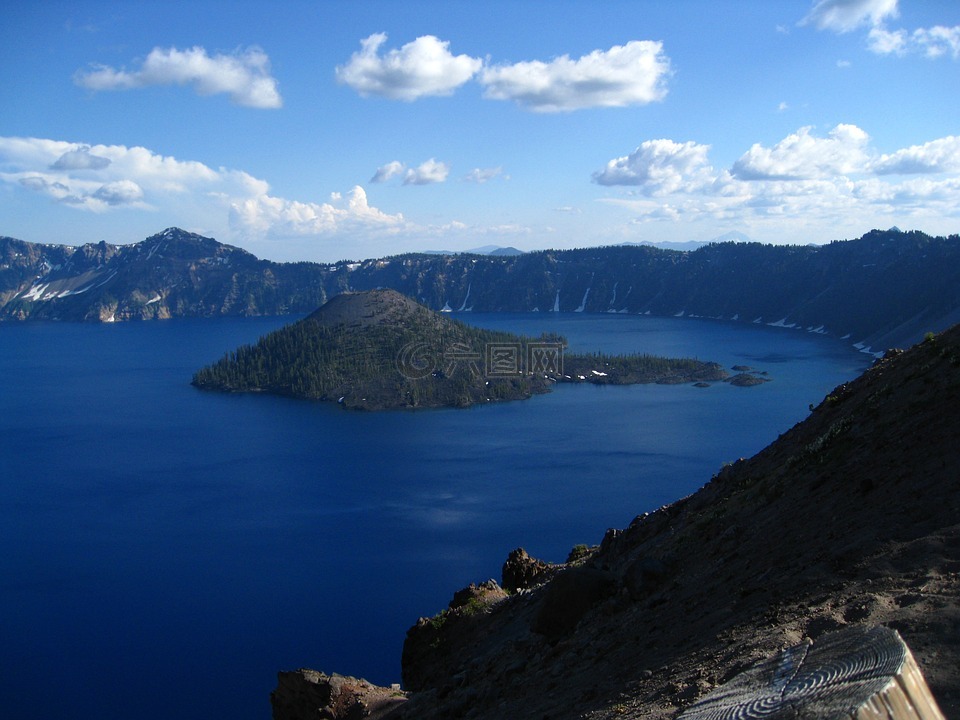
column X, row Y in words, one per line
column 428, row 172
column 121, row 192
column 482, row 175
column 420, row 68
column 630, row 74
column 243, row 75
column 843, row 16
column 38, row 183
column 658, row 167
column 182, row 190
column 98, row 177
column 80, row 159
column 834, row 183
column 801, row 155
column 936, row 156
column 266, row 216
column 388, row 171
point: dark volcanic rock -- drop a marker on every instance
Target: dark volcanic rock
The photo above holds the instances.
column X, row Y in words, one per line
column 643, row 576
column 568, row 597
column 477, row 597
column 315, row 695
column 521, row 572
column 435, row 647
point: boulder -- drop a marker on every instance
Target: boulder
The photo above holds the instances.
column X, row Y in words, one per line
column 312, row 695
column 522, row 572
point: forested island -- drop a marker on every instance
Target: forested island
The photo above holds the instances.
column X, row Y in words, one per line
column 380, row 350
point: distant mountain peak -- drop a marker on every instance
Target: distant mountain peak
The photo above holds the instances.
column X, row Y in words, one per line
column 732, row 236
column 495, row 250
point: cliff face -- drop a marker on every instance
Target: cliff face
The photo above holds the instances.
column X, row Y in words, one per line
column 851, row 517
column 171, row 274
column 886, row 288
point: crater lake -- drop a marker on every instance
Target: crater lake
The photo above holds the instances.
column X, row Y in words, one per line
column 168, row 550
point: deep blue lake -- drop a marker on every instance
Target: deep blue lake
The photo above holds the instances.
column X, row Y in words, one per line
column 167, row 550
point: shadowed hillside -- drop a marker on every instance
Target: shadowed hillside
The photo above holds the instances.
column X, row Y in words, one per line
column 850, row 517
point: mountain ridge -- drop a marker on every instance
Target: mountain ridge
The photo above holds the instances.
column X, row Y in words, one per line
column 883, row 289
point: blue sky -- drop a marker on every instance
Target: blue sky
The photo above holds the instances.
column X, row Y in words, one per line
column 331, row 130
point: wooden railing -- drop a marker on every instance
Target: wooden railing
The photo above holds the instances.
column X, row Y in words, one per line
column 862, row 673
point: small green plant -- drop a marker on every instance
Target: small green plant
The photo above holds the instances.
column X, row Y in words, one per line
column 578, row 553
column 474, row 606
column 815, row 451
column 438, row 620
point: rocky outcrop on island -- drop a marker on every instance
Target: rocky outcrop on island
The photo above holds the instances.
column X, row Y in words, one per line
column 380, row 350
column 852, row 517
column 883, row 289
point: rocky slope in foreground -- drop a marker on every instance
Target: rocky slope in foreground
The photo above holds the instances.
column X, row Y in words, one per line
column 850, row 517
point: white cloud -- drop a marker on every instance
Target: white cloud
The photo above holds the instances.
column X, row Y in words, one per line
column 388, row 171
column 834, row 185
column 843, row 16
column 884, row 42
column 121, row 192
column 180, row 190
column 936, row 156
column 265, row 216
column 429, row 172
column 802, row 156
column 631, row 74
column 420, row 68
column 846, row 15
column 658, row 167
column 243, row 75
column 935, row 42
column 98, row 177
column 482, row 175
column 80, row 159
column 938, row 41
